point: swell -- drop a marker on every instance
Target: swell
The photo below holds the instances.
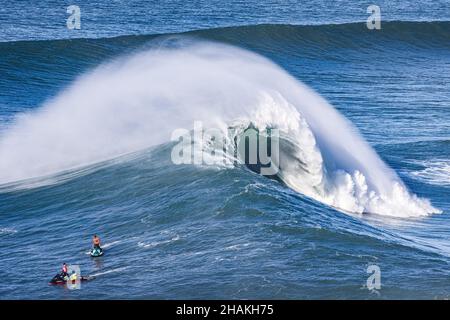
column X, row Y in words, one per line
column 44, row 67
column 350, row 35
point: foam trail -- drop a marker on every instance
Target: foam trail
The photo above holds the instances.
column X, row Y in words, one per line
column 7, row 231
column 108, row 272
column 110, row 244
column 137, row 101
column 158, row 243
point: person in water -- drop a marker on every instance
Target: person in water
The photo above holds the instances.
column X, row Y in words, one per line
column 96, row 241
column 73, row 276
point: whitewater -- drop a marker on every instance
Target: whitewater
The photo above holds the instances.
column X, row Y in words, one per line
column 136, row 101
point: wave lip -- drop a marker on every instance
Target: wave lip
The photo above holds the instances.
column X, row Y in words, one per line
column 137, row 101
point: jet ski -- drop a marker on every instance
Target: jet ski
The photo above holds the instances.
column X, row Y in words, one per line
column 61, row 279
column 96, row 252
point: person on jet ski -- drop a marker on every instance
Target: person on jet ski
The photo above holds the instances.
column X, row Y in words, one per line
column 96, row 241
column 64, row 270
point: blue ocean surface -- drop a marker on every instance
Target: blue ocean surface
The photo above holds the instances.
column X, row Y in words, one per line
column 86, row 123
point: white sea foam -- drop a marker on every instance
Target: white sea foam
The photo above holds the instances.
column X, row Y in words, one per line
column 158, row 243
column 7, row 231
column 434, row 172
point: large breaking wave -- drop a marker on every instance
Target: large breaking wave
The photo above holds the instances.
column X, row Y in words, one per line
column 137, row 101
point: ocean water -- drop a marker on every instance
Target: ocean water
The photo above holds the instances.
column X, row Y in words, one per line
column 86, row 119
